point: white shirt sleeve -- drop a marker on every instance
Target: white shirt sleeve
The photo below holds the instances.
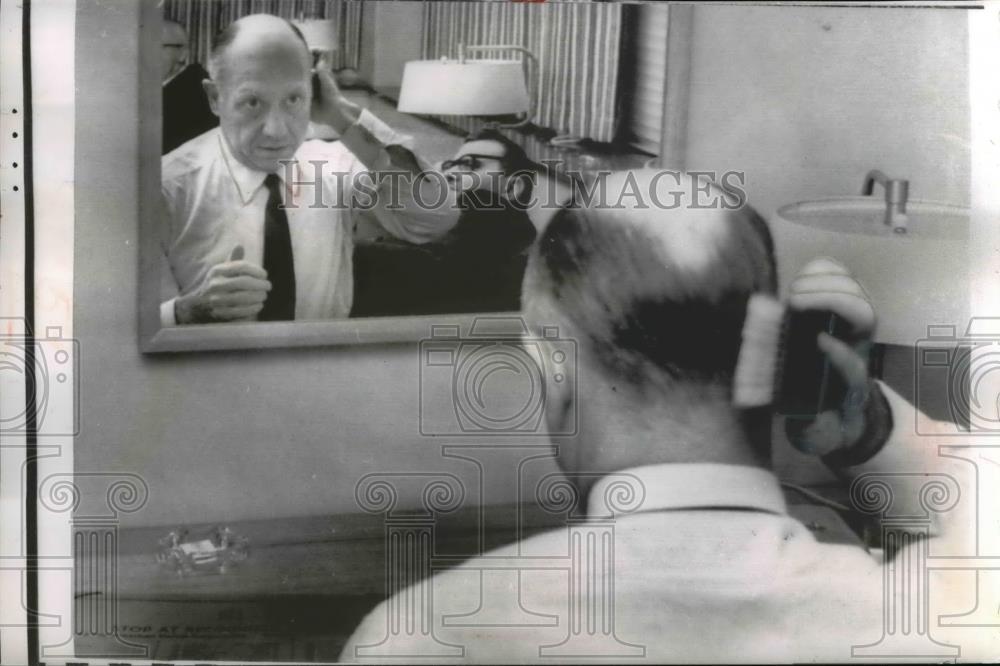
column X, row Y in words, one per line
column 167, row 313
column 917, row 472
column 410, row 200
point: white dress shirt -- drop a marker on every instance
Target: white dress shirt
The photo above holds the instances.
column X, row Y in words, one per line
column 709, row 568
column 213, row 203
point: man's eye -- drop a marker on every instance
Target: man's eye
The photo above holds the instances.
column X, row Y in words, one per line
column 467, row 162
column 294, row 100
column 251, row 104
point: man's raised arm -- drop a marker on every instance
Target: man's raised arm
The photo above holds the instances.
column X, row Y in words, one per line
column 409, row 199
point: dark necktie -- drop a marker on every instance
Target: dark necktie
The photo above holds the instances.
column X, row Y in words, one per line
column 278, row 260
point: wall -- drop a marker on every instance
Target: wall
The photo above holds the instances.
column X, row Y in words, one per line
column 289, row 432
column 806, row 100
column 390, row 36
column 217, row 436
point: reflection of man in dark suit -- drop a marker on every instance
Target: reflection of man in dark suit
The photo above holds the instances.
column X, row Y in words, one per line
column 488, row 247
column 186, row 113
column 478, row 266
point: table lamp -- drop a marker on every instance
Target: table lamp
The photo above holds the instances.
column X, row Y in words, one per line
column 463, row 87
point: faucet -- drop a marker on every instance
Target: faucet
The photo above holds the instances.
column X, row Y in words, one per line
column 896, row 194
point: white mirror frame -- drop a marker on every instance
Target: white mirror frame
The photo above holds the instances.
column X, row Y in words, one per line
column 153, row 337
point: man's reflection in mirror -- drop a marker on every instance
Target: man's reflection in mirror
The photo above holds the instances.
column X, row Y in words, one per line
column 478, row 265
column 242, row 239
column 490, row 242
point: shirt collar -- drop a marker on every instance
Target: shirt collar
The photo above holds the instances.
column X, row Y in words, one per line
column 174, row 75
column 249, row 180
column 686, row 486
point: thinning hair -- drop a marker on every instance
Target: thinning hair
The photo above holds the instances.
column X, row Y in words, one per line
column 657, row 296
column 225, row 37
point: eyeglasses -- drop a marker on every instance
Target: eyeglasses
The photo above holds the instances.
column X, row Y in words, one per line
column 470, row 161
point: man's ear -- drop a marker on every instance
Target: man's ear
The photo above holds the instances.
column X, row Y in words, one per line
column 559, row 410
column 559, row 407
column 559, row 398
column 212, row 93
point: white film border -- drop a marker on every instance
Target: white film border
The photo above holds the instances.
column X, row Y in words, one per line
column 53, row 37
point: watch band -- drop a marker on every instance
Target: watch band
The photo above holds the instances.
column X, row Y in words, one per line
column 878, row 428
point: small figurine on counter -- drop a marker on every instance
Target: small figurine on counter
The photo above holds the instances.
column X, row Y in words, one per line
column 212, row 552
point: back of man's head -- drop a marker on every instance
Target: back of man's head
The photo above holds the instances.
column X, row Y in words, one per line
column 653, row 287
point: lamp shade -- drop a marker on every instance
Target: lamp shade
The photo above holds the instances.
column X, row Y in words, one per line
column 320, row 34
column 470, row 88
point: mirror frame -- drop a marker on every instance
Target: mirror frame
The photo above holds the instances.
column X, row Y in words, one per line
column 369, row 330
column 334, row 332
column 154, row 338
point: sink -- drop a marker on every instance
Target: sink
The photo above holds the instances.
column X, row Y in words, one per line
column 865, row 216
column 915, row 279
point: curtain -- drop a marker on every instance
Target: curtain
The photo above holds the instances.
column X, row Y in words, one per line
column 577, row 43
column 203, row 19
column 646, row 63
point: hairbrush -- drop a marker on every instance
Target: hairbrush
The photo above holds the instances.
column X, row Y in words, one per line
column 781, row 364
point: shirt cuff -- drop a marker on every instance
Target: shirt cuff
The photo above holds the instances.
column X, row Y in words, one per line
column 878, row 425
column 384, row 134
column 883, row 435
column 368, row 137
column 167, row 313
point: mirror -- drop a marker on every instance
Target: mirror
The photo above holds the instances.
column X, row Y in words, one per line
column 323, row 251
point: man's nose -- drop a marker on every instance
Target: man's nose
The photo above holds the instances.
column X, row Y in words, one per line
column 275, row 124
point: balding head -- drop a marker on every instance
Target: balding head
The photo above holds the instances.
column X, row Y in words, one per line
column 260, row 88
column 653, row 287
column 654, row 291
column 257, row 37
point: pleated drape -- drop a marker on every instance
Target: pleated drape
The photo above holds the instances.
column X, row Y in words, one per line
column 204, row 18
column 577, row 43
